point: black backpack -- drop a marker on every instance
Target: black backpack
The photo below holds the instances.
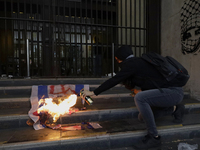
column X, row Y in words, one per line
column 171, row 69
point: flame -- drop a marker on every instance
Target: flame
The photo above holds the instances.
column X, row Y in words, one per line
column 54, row 109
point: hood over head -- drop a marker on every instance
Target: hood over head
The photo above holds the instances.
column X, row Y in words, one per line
column 123, row 52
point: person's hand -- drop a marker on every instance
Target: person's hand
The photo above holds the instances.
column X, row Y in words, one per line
column 85, row 93
column 134, row 92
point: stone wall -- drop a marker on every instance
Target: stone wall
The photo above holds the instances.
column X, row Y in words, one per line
column 172, row 38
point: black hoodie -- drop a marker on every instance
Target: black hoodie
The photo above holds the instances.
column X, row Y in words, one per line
column 135, row 69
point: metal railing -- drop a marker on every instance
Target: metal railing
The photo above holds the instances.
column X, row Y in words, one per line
column 68, row 38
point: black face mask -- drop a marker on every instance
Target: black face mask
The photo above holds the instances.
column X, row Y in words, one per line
column 123, row 52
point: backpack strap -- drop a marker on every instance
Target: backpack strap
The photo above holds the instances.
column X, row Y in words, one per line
column 157, row 86
column 151, row 79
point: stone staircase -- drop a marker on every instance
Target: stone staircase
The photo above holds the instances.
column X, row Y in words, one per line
column 114, row 110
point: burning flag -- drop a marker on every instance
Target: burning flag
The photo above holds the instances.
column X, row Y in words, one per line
column 53, row 100
column 54, row 109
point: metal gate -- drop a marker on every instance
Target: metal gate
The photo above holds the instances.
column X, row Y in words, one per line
column 68, row 38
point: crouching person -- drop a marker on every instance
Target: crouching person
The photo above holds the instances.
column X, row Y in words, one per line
column 135, row 68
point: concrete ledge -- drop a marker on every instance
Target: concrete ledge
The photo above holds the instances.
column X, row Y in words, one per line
column 8, row 100
column 189, row 108
column 55, row 79
column 106, row 141
column 104, row 96
column 29, row 82
column 15, row 120
column 29, row 87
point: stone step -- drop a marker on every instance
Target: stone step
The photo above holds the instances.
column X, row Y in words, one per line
column 50, row 81
column 16, row 109
column 14, row 103
column 22, row 105
column 18, row 101
column 112, row 135
column 114, row 110
column 25, row 91
column 15, row 118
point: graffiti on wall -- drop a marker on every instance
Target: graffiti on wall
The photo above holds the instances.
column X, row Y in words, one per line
column 190, row 27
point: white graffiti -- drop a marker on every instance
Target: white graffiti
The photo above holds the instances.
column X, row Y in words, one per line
column 190, row 27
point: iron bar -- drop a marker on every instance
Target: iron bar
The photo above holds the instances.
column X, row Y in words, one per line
column 140, row 27
column 27, row 58
column 113, row 58
column 135, row 7
column 72, row 31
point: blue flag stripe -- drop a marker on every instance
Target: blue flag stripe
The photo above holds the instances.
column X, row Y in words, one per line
column 42, row 92
column 78, row 87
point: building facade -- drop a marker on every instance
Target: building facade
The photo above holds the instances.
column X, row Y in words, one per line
column 73, row 38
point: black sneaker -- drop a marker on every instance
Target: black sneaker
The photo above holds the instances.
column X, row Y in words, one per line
column 148, row 142
column 179, row 113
